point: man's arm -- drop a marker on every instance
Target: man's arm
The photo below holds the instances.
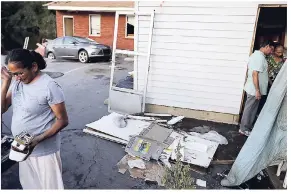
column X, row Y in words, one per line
column 256, row 83
column 60, row 123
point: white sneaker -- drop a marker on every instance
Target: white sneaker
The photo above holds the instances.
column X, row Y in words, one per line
column 246, row 133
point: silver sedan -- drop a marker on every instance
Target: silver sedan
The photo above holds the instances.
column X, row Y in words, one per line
column 73, row 47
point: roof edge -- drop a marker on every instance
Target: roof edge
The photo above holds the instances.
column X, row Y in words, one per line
column 74, row 8
column 50, row 3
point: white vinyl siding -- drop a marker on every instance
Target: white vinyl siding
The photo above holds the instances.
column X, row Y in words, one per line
column 95, row 25
column 199, row 53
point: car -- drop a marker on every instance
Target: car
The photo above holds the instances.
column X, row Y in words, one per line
column 74, row 47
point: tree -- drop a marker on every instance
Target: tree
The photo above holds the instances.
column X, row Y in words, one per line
column 25, row 18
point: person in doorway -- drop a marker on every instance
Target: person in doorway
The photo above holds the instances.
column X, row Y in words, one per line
column 275, row 62
column 256, row 85
column 39, row 108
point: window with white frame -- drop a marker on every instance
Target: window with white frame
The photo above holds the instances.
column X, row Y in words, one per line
column 95, row 25
column 129, row 30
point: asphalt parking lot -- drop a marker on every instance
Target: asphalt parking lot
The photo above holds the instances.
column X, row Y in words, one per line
column 88, row 162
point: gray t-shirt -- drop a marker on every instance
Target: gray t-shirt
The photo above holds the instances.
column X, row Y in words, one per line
column 257, row 62
column 32, row 112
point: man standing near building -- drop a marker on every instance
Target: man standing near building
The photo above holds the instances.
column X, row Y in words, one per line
column 256, row 85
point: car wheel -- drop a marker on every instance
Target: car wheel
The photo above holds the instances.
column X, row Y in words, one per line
column 107, row 59
column 51, row 55
column 83, row 56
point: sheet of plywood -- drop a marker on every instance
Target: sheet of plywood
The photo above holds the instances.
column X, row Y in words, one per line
column 104, row 136
column 107, row 126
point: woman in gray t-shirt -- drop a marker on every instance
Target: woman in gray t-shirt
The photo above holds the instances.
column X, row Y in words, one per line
column 38, row 108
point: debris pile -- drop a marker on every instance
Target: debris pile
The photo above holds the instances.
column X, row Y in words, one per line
column 151, row 143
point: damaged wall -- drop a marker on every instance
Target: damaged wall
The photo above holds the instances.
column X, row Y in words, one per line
column 200, row 52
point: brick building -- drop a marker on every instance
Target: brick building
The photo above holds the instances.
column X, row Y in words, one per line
column 95, row 20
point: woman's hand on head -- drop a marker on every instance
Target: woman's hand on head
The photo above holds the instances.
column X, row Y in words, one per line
column 5, row 75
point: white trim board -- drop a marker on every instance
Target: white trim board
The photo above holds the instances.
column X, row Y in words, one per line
column 104, row 9
column 135, row 70
column 68, row 16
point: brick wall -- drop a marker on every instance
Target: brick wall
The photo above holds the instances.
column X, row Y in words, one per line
column 81, row 28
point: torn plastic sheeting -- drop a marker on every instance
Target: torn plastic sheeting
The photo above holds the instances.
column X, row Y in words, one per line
column 211, row 136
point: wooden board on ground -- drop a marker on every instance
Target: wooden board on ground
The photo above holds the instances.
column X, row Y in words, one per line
column 107, row 126
column 222, row 162
column 104, row 136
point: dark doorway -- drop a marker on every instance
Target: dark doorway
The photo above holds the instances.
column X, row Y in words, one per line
column 271, row 25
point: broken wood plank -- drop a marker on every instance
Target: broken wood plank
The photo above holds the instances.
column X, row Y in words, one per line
column 194, row 168
column 141, row 118
column 104, row 136
column 203, row 172
column 175, row 120
column 161, row 121
column 157, row 115
column 222, row 162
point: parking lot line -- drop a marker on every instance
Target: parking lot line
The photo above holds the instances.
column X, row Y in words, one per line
column 78, row 68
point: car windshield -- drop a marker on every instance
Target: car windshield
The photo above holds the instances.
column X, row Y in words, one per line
column 79, row 39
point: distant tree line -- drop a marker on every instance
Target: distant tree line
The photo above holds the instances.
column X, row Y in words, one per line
column 20, row 19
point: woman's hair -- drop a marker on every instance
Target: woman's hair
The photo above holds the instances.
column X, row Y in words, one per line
column 25, row 58
column 278, row 45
